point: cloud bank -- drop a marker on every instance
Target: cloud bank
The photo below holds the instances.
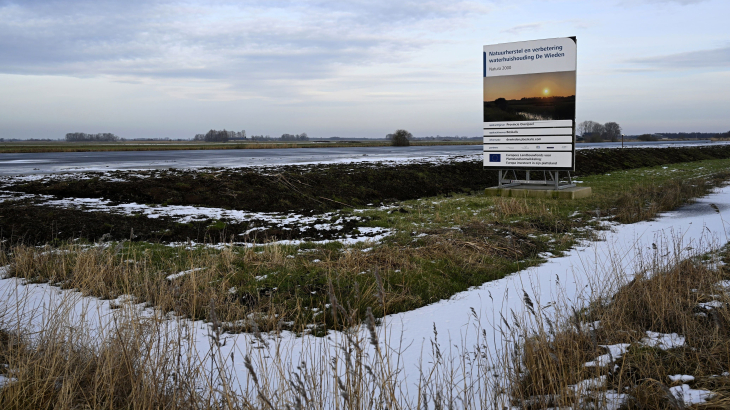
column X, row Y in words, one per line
column 712, row 58
column 244, row 46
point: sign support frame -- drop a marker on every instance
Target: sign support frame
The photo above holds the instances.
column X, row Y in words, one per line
column 554, row 179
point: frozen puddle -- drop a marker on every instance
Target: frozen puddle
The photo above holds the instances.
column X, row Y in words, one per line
column 236, row 159
column 462, row 322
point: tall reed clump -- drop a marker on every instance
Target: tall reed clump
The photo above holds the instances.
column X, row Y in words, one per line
column 138, row 364
column 645, row 200
column 606, row 355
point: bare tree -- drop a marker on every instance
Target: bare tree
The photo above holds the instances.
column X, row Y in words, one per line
column 400, row 138
column 583, row 127
column 589, row 128
column 591, row 131
column 612, row 131
column 217, row 136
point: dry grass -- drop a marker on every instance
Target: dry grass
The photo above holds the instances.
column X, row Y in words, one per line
column 645, row 200
column 551, row 360
column 138, row 365
column 111, row 272
column 276, row 289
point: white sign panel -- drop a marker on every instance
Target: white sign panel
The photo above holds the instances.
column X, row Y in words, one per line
column 527, row 131
column 543, row 139
column 529, row 104
column 528, row 57
column 528, row 124
column 526, row 160
column 529, row 147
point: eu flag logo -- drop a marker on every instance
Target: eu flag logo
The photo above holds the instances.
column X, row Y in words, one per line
column 495, row 157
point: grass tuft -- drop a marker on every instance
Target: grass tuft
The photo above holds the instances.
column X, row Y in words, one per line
column 661, row 299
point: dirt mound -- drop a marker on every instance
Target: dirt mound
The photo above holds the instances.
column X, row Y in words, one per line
column 303, row 188
column 600, row 161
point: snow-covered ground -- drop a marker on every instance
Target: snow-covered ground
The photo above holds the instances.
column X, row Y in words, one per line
column 467, row 319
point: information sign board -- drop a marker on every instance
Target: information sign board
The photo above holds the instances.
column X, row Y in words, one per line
column 529, row 104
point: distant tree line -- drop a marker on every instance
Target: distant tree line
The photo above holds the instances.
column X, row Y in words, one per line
column 262, row 137
column 220, row 136
column 295, row 137
column 692, row 135
column 284, row 137
column 29, row 139
column 438, row 137
column 83, row 137
column 592, row 131
column 223, row 136
column 683, row 136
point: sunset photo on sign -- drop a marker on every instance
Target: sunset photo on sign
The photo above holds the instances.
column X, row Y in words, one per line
column 530, row 97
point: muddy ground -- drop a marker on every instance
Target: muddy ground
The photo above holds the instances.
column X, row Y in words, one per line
column 305, row 189
column 29, row 223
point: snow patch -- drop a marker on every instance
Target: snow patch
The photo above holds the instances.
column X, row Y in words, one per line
column 4, row 380
column 689, row 395
column 614, row 352
column 183, row 273
column 711, row 305
column 663, row 341
column 684, row 378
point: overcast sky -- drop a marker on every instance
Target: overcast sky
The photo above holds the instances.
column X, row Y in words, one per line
column 344, row 68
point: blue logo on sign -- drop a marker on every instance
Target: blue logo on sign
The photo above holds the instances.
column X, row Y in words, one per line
column 495, row 157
